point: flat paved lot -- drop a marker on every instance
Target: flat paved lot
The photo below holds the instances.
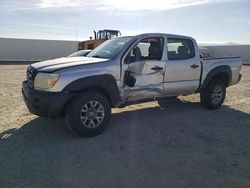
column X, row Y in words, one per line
column 175, row 144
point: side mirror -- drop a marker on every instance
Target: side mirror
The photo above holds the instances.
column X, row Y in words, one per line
column 127, row 59
column 129, row 79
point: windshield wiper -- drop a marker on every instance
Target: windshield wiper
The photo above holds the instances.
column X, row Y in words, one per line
column 97, row 56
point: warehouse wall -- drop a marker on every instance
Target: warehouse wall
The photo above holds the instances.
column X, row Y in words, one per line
column 17, row 50
column 34, row 50
column 230, row 50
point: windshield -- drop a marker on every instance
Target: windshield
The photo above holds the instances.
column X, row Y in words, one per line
column 80, row 53
column 109, row 49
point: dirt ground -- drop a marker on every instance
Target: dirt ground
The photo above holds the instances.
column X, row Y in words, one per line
column 175, row 144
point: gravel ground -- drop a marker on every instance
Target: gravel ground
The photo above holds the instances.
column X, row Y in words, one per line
column 174, row 144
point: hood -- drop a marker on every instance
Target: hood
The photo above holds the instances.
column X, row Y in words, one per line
column 65, row 62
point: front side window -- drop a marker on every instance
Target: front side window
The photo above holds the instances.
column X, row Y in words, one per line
column 180, row 49
column 147, row 49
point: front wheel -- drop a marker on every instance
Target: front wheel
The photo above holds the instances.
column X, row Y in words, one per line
column 214, row 95
column 88, row 114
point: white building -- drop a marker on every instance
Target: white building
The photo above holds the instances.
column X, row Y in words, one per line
column 31, row 50
column 23, row 50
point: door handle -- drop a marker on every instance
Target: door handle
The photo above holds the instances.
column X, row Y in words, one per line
column 194, row 66
column 157, row 68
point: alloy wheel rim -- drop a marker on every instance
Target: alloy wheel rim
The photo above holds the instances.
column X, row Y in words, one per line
column 216, row 95
column 92, row 114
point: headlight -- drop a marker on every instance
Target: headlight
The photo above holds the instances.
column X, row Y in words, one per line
column 44, row 81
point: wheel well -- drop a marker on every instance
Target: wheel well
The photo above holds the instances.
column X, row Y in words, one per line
column 222, row 76
column 100, row 90
column 93, row 88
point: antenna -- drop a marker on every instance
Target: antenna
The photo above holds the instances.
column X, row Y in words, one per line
column 76, row 34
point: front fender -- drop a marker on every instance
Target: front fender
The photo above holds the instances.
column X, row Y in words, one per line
column 105, row 82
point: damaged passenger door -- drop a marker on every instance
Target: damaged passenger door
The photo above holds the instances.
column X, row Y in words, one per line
column 144, row 74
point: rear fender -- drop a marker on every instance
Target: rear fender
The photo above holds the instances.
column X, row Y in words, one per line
column 221, row 69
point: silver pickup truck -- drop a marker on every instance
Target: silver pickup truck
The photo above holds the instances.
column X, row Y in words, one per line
column 122, row 71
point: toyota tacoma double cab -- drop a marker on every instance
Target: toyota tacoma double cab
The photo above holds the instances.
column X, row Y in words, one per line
column 122, row 71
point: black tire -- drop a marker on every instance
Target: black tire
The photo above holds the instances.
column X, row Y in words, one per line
column 213, row 96
column 76, row 114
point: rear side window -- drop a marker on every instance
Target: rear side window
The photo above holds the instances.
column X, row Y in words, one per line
column 180, row 49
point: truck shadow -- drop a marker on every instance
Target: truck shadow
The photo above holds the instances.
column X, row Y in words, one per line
column 150, row 142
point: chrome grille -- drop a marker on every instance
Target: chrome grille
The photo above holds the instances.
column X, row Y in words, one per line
column 30, row 75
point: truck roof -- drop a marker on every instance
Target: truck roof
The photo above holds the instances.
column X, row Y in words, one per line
column 164, row 34
column 158, row 34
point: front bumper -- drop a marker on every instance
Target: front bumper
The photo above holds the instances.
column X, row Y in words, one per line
column 46, row 104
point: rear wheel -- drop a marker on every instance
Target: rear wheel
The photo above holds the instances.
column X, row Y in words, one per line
column 89, row 114
column 214, row 95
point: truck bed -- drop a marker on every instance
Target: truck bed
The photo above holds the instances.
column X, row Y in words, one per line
column 224, row 57
column 212, row 62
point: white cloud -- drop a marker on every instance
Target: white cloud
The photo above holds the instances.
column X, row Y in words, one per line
column 124, row 5
column 120, row 5
column 58, row 3
column 239, row 20
column 133, row 5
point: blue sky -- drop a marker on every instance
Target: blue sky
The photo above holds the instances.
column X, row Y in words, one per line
column 209, row 21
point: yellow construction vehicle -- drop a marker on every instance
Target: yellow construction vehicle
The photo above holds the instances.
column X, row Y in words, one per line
column 100, row 37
